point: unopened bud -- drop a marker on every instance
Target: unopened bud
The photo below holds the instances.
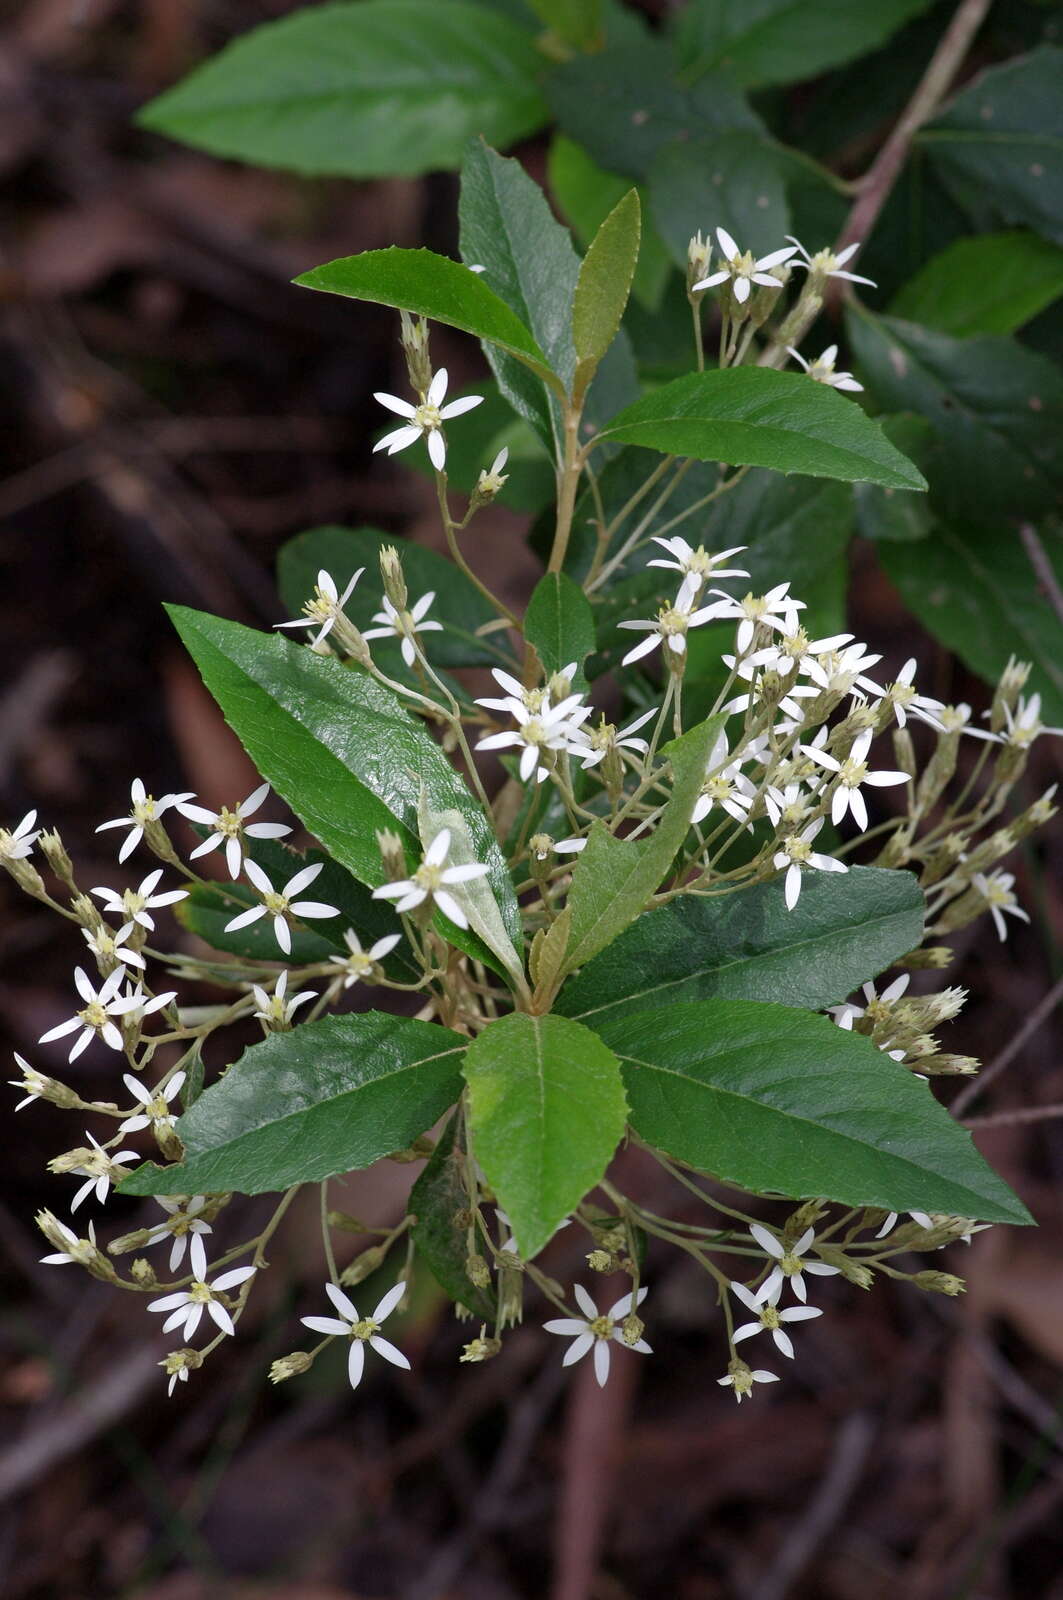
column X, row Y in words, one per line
column 129, row 1241
column 939, row 1283
column 413, row 336
column 490, row 482
column 1034, row 816
column 392, row 575
column 24, row 873
column 1011, row 684
column 143, row 1273
column 632, row 1328
column 392, row 854
column 477, row 1270
column 363, row 1266
column 799, row 1221
column 934, row 956
column 55, row 855
column 699, row 254
column 601, row 1261
column 292, row 1366
column 852, row 1271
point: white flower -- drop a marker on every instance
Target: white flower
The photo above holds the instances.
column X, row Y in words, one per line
column 828, row 265
column 725, row 785
column 845, row 1015
column 605, row 737
column 769, row 1318
column 78, row 1251
column 144, row 808
column 821, row 370
column 956, row 719
column 518, row 696
column 788, row 1263
column 100, row 1170
column 231, row 828
column 797, row 855
column 188, row 1305
column 748, row 668
column 404, row 625
column 137, row 903
column 17, row 843
column 741, row 1379
column 996, row 891
column 323, row 610
column 276, row 1011
column 491, row 480
column 431, row 880
column 596, row 1331
column 279, row 904
column 96, row 1016
column 838, row 671
column 903, row 698
column 182, row 1221
column 743, row 270
column 152, row 1105
column 792, row 650
column 669, row 627
column 427, row 418
column 890, row 1223
column 359, row 964
column 697, row 562
column 772, row 610
column 1024, row 723
column 32, row 1082
column 549, row 729
column 850, row 775
column 111, row 948
column 360, row 1331
column 877, row 1005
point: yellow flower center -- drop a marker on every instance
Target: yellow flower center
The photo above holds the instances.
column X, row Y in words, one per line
column 427, row 417
column 601, row 1327
column 94, row 1015
column 428, row 877
column 365, row 1329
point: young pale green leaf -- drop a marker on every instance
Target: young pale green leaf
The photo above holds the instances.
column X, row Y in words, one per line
column 586, row 194
column 614, row 878
column 458, row 604
column 559, row 623
column 575, row 22
column 546, row 1112
column 748, row 192
column 747, row 946
column 435, row 287
column 751, row 416
column 476, row 897
column 437, row 1200
column 974, row 589
column 329, row 1097
column 996, row 407
column 604, row 284
column 994, row 283
column 337, row 746
column 375, row 89
column 783, row 1102
column 999, row 145
column 785, row 41
column 507, row 227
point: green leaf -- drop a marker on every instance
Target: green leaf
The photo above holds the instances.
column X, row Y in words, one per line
column 784, row 41
column 546, row 1112
column 975, row 590
column 458, row 604
column 604, row 284
column 747, row 946
column 436, row 1199
column 331, row 1096
column 576, row 22
column 559, row 623
column 375, row 89
column 614, row 878
column 431, row 286
column 999, row 145
column 991, row 284
column 586, row 194
column 730, row 179
column 897, row 513
column 753, row 416
column 337, row 746
column 997, row 407
column 507, row 227
column 783, row 1102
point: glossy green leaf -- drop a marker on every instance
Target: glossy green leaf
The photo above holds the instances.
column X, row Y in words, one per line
column 559, row 623
column 999, row 145
column 374, row 89
column 784, row 1102
column 975, row 589
column 898, row 513
column 753, row 416
column 437, row 1200
column 729, row 179
column 337, row 746
column 431, row 286
column 614, row 878
column 458, row 604
column 329, row 1097
column 994, row 283
column 586, row 194
column 747, row 946
column 760, row 42
column 604, row 283
column 996, row 406
column 546, row 1110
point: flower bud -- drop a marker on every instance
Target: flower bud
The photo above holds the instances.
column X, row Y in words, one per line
column 413, row 336
column 490, row 482
column 477, row 1270
column 852, row 1271
column 292, row 1366
column 632, row 1328
column 1011, row 684
column 363, row 1266
column 699, row 254
column 601, row 1261
column 87, row 912
column 939, row 1283
column 143, row 1273
column 392, row 854
column 392, row 575
column 55, row 854
column 933, row 956
column 24, row 873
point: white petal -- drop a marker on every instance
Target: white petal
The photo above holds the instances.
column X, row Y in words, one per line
column 578, row 1349
column 390, row 1352
column 450, row 908
column 356, row 1362
column 387, row 1305
column 767, row 1242
column 584, row 1301
column 602, row 1354
column 727, row 244
column 437, row 449
column 401, row 408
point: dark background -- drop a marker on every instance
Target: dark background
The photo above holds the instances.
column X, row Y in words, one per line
column 171, row 411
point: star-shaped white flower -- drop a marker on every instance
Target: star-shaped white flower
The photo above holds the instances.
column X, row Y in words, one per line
column 182, row 1221
column 550, row 729
column 78, row 1252
column 768, row 1318
column 279, row 903
column 323, row 610
column 144, row 808
column 743, row 270
column 773, row 610
column 433, row 880
column 101, row 1169
column 1024, row 724
column 789, row 1263
column 670, row 626
column 137, row 904
column 850, row 774
column 360, row 965
column 17, row 843
column 404, row 625
column 995, row 889
column 839, row 671
column 902, row 698
column 741, row 1379
column 492, row 478
column 697, row 562
column 877, row 1005
column 97, row 1015
column 361, row 1331
column 599, row 741
column 597, row 1331
column 32, row 1083
column 230, row 827
column 188, row 1305
column 826, row 263
column 152, row 1105
column 519, row 696
column 797, row 856
column 275, row 1010
column 725, row 785
column 425, row 419
column 821, row 370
